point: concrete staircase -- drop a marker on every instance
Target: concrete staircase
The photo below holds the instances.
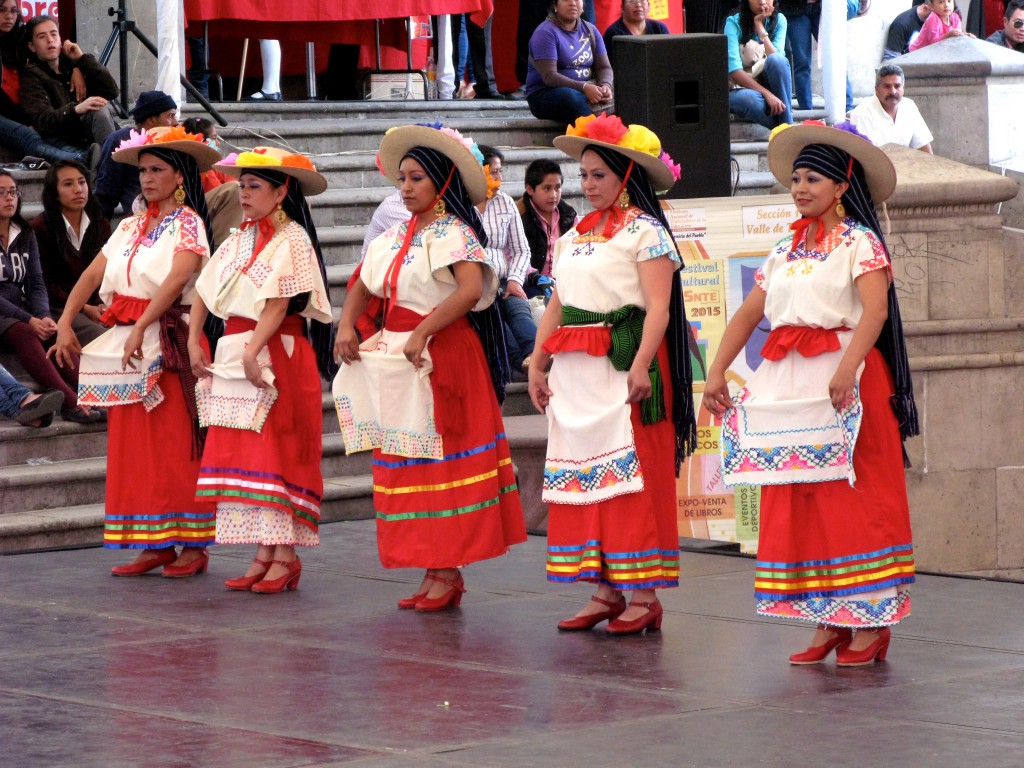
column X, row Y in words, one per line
column 52, row 480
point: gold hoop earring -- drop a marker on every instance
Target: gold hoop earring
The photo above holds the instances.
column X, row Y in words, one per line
column 439, row 208
column 624, row 200
column 840, row 210
column 280, row 217
column 179, row 195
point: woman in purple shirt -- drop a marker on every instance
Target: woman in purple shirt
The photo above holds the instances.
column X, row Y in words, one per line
column 569, row 74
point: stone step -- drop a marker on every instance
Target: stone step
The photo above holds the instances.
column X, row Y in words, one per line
column 320, row 137
column 346, row 497
column 448, row 111
column 48, row 484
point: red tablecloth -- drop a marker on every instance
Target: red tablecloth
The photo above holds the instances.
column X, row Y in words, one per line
column 318, row 11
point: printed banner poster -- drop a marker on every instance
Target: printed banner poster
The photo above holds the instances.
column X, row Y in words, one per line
column 723, row 241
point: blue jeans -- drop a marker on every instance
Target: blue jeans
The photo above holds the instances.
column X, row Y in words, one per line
column 25, row 139
column 799, row 33
column 748, row 104
column 11, row 394
column 521, row 330
column 563, row 105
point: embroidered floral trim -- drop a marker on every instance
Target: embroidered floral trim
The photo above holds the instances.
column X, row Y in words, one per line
column 841, row 612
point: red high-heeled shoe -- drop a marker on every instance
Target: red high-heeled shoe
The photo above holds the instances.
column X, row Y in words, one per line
column 245, row 582
column 577, row 623
column 139, row 567
column 816, row 654
column 408, row 603
column 450, row 599
column 191, row 568
column 874, row 652
column 289, row 581
column 650, row 621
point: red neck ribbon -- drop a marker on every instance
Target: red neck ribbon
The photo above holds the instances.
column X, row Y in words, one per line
column 615, row 212
column 800, row 228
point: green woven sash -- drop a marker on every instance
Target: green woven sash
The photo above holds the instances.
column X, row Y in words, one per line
column 627, row 326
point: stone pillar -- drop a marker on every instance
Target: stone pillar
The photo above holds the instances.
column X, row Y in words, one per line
column 961, row 289
column 969, row 92
column 94, row 26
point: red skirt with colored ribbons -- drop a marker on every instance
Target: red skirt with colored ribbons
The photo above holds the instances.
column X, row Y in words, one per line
column 464, row 507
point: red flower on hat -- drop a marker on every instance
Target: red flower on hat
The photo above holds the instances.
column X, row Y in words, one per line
column 606, row 128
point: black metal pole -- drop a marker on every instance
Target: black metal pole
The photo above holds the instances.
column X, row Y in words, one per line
column 122, row 28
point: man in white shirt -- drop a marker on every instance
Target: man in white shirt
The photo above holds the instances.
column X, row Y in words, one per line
column 889, row 118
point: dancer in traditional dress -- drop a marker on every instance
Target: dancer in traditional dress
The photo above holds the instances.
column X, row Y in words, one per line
column 261, row 399
column 140, row 369
column 819, row 424
column 423, row 393
column 618, row 398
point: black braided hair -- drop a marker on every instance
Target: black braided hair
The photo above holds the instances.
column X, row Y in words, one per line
column 679, row 333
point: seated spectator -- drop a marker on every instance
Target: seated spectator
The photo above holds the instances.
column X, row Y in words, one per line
column 18, row 402
column 569, row 74
column 942, row 22
column 70, row 231
column 546, row 217
column 890, row 118
column 762, row 85
column 15, row 131
column 25, row 322
column 632, row 21
column 117, row 182
column 1012, row 33
column 57, row 111
column 509, row 252
column 904, row 29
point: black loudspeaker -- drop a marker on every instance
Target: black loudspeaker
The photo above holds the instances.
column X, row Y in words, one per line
column 678, row 86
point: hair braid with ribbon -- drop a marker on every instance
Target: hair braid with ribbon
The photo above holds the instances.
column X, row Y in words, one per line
column 840, row 166
column 679, row 333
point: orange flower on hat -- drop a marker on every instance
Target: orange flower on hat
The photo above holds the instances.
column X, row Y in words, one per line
column 579, row 128
column 177, row 133
column 298, row 161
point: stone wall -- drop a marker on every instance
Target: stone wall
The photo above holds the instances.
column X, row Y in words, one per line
column 961, row 283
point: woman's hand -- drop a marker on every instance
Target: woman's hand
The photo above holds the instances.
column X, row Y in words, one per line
column 840, row 389
column 200, row 362
column 252, row 369
column 346, row 344
column 66, row 349
column 540, row 392
column 42, row 327
column 593, row 93
column 716, row 394
column 132, row 348
column 414, row 347
column 638, row 381
column 93, row 312
column 775, row 105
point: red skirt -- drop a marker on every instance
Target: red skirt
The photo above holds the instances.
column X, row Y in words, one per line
column 822, row 545
column 151, row 476
column 279, row 466
column 464, row 507
column 629, row 541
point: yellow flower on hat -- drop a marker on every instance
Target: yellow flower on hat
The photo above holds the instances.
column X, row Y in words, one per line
column 778, row 129
column 256, row 158
column 642, row 140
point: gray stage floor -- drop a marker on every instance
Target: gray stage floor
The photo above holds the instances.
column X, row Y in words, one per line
column 98, row 671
